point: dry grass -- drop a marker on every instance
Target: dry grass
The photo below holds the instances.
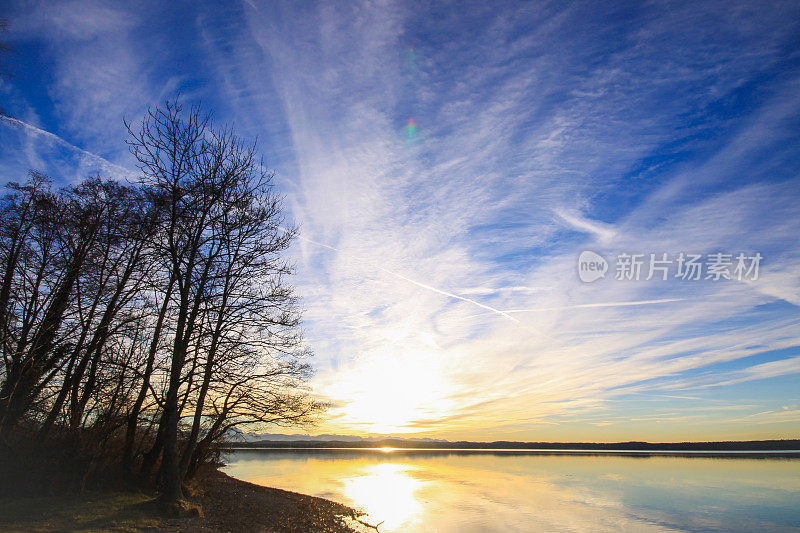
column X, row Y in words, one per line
column 114, row 511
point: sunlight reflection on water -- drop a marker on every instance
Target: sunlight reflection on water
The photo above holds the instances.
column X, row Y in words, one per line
column 388, row 494
column 449, row 491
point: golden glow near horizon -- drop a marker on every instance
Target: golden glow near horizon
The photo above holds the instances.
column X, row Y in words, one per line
column 412, row 386
column 386, row 394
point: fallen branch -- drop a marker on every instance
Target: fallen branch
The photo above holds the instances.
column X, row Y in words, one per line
column 375, row 527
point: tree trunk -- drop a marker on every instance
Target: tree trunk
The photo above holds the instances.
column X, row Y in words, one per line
column 133, row 416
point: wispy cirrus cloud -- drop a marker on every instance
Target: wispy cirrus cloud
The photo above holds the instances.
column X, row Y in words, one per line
column 531, row 142
column 603, row 232
column 88, row 160
column 469, row 203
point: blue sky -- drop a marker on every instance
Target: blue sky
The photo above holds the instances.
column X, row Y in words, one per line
column 438, row 263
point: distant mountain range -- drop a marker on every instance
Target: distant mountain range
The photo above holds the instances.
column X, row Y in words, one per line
column 273, row 440
column 238, row 436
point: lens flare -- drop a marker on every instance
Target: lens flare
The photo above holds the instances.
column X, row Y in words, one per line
column 411, row 59
column 411, row 129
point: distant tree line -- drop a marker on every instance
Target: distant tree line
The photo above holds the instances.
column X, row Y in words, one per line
column 787, row 447
column 140, row 323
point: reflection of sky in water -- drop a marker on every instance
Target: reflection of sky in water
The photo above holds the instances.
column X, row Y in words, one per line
column 510, row 491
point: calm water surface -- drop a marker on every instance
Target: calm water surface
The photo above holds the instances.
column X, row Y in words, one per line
column 451, row 491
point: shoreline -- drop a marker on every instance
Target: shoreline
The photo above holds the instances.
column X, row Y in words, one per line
column 230, row 504
column 752, row 454
column 227, row 503
column 746, row 446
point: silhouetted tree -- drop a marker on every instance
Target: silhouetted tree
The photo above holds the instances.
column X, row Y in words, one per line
column 220, row 238
column 144, row 322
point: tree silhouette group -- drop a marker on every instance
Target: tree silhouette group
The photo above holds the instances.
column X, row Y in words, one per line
column 141, row 322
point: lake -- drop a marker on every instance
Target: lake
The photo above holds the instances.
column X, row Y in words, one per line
column 487, row 491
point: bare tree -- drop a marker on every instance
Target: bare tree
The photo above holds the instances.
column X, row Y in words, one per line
column 155, row 316
column 220, row 241
column 63, row 233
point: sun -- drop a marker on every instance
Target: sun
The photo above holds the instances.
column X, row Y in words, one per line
column 391, row 393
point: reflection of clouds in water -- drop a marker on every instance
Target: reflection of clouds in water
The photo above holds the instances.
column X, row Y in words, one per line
column 387, row 493
column 498, row 502
column 417, row 498
column 415, row 492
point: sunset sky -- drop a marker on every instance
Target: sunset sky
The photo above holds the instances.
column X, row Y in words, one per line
column 448, row 164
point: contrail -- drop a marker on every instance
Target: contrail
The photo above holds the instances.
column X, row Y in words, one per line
column 105, row 164
column 584, row 306
column 419, row 284
column 604, row 304
column 451, row 295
